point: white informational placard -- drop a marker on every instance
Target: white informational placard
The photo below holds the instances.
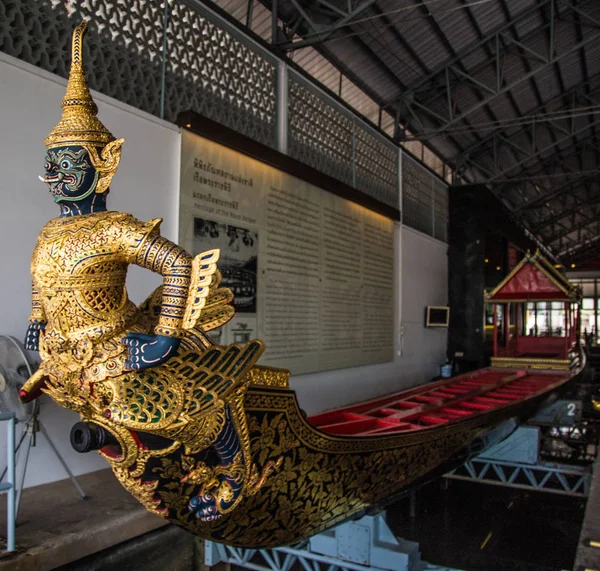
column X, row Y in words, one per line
column 312, row 273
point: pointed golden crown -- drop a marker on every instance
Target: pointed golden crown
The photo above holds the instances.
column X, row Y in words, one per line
column 79, row 124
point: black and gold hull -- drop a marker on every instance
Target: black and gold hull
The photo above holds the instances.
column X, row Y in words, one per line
column 321, row 479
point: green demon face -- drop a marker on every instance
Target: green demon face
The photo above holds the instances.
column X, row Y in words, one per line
column 70, row 174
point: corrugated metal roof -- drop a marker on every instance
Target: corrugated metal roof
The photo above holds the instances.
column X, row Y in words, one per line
column 525, row 122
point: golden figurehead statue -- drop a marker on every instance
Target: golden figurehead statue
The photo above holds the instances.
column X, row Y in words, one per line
column 147, row 382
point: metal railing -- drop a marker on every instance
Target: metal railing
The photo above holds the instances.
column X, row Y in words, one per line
column 554, row 478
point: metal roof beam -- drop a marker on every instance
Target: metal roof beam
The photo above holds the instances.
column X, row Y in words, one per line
column 311, row 25
column 581, row 251
column 334, row 9
column 529, row 122
column 556, row 192
column 595, row 199
column 498, row 86
column 544, row 193
column 490, row 37
column 322, row 33
column 532, row 155
column 387, row 23
column 540, row 115
column 459, row 67
column 577, row 228
column 590, row 142
column 477, row 30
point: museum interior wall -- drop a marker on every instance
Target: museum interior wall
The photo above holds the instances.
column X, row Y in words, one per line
column 147, row 185
column 421, row 279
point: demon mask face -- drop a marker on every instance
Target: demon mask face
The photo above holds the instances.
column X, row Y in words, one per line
column 70, row 174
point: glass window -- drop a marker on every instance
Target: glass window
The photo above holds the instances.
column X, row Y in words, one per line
column 587, row 303
column 529, row 321
column 588, row 324
column 557, row 320
column 545, row 319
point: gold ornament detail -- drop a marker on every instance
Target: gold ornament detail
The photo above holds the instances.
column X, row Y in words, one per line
column 203, row 268
column 79, row 268
column 308, row 482
column 79, row 124
column 106, row 163
column 532, row 363
column 269, row 377
column 145, row 492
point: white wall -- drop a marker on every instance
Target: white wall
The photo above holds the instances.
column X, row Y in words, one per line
column 146, row 185
column 421, row 280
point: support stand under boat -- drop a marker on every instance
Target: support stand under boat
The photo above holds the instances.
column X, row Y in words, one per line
column 361, row 545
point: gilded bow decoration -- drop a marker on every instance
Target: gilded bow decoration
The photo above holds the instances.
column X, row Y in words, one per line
column 146, row 380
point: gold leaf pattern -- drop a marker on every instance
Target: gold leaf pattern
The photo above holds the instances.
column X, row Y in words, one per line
column 317, row 480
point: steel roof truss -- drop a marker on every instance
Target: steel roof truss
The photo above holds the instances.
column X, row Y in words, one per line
column 592, row 22
column 573, row 228
column 559, row 167
column 479, row 162
column 567, row 209
column 547, row 148
column 538, row 116
column 498, row 86
column 498, row 138
column 509, row 41
column 580, row 251
column 322, row 33
column 334, row 9
column 311, row 25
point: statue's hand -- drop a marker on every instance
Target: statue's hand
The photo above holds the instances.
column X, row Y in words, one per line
column 32, row 337
column 144, row 351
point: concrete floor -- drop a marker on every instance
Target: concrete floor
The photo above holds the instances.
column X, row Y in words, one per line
column 168, row 548
column 57, row 527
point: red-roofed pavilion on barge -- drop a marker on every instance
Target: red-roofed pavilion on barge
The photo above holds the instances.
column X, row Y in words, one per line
column 530, row 344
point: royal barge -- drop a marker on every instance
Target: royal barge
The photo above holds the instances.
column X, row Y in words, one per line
column 333, row 466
